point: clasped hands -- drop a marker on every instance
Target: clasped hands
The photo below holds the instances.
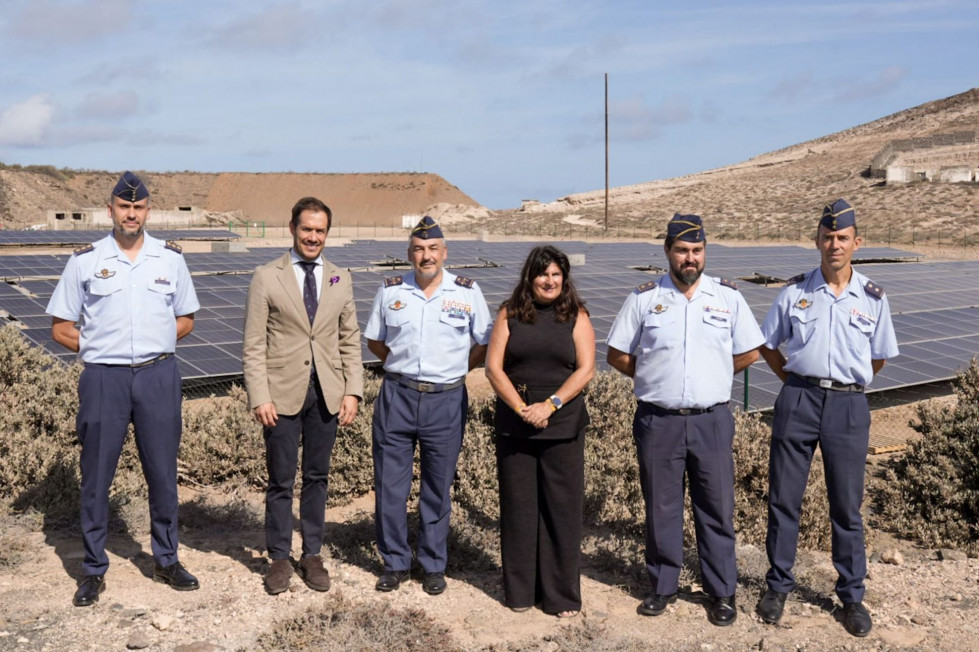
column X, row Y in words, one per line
column 536, row 414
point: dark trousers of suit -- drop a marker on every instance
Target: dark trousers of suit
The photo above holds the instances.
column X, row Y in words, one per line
column 316, row 428
column 109, row 398
column 542, row 486
column 839, row 423
column 436, row 421
column 699, row 446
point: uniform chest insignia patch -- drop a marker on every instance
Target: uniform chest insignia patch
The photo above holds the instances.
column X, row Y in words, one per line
column 659, row 309
column 391, row 281
column 104, row 274
column 645, row 287
column 398, row 305
column 708, row 308
column 802, row 304
column 456, row 309
column 464, row 282
column 162, row 281
column 863, row 317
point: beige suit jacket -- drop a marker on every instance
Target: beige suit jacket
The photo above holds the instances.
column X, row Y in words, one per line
column 280, row 344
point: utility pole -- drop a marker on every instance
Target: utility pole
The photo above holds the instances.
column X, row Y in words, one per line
column 606, row 152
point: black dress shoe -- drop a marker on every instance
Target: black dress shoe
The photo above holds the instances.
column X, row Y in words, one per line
column 856, row 620
column 722, row 611
column 654, row 604
column 88, row 591
column 391, row 580
column 771, row 605
column 176, row 576
column 434, row 583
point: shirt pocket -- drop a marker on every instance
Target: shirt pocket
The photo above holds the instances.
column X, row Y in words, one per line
column 804, row 324
column 719, row 321
column 658, row 331
column 162, row 291
column 457, row 320
column 858, row 334
column 103, row 287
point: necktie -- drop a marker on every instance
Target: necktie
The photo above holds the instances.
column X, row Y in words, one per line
column 309, row 290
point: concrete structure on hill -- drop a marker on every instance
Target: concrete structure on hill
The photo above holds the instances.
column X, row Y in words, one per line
column 943, row 158
column 98, row 217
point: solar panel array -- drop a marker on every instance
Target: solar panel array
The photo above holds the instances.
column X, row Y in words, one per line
column 71, row 237
column 937, row 325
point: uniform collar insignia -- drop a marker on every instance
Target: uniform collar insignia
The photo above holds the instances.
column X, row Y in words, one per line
column 659, row 308
column 162, row 281
column 398, row 305
column 802, row 303
column 104, row 273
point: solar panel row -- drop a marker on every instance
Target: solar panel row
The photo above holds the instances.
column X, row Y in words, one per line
column 938, row 330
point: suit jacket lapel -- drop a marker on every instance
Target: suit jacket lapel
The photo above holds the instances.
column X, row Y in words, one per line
column 329, row 271
column 287, row 278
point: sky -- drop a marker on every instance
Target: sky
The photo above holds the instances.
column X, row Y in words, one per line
column 505, row 100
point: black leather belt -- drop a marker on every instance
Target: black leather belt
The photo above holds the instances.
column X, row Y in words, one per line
column 827, row 383
column 419, row 386
column 162, row 356
column 682, row 412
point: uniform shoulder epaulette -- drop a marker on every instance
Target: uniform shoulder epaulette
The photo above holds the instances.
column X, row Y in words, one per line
column 173, row 246
column 84, row 250
column 726, row 282
column 391, row 281
column 873, row 289
column 645, row 287
column 799, row 278
column 464, row 281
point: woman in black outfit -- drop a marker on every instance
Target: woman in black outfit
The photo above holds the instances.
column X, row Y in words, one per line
column 541, row 356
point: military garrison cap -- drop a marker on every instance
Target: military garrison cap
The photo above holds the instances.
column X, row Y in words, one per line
column 689, row 228
column 427, row 229
column 130, row 188
column 838, row 215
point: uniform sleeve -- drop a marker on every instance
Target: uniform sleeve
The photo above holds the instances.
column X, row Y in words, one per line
column 627, row 327
column 185, row 297
column 746, row 335
column 376, row 328
column 777, row 328
column 883, row 343
column 482, row 322
column 66, row 300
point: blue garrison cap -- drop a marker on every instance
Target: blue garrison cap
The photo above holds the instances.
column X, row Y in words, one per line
column 689, row 228
column 838, row 215
column 427, row 229
column 130, row 188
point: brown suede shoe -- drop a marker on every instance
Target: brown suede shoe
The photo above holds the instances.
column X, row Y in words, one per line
column 312, row 571
column 278, row 575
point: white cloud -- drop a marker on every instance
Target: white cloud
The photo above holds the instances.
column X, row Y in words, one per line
column 26, row 124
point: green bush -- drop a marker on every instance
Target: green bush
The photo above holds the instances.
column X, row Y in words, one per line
column 931, row 493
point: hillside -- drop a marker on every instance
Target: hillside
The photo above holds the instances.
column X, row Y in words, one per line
column 782, row 191
column 25, row 195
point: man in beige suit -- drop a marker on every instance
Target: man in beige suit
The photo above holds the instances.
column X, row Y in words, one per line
column 304, row 377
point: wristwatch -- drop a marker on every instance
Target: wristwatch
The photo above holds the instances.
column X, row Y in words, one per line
column 555, row 401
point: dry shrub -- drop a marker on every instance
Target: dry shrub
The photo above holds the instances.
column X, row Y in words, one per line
column 352, row 466
column 337, row 624
column 931, row 493
column 221, row 442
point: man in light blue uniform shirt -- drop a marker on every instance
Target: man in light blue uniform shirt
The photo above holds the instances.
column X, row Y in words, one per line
column 682, row 339
column 836, row 326
column 132, row 298
column 429, row 328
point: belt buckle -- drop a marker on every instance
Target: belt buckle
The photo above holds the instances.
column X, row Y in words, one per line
column 685, row 412
column 426, row 387
column 825, row 383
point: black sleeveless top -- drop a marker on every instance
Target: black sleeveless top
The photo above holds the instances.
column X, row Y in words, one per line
column 539, row 357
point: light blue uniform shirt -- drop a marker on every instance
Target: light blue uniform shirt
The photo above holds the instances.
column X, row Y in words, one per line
column 429, row 338
column 127, row 309
column 831, row 337
column 684, row 349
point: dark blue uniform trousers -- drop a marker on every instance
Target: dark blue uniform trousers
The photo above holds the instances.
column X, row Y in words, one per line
column 701, row 446
column 109, row 398
column 317, row 428
column 436, row 421
column 839, row 422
